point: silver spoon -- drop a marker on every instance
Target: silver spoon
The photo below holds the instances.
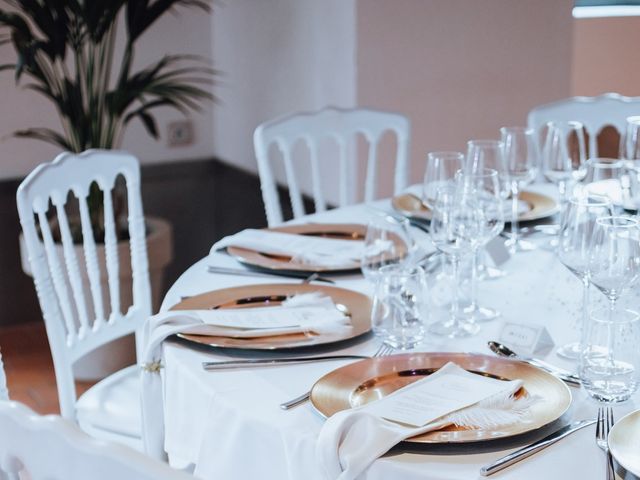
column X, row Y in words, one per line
column 503, row 351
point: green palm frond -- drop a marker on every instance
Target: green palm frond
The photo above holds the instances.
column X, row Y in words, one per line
column 67, row 49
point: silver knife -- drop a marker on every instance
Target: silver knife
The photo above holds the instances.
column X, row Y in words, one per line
column 266, row 362
column 535, row 447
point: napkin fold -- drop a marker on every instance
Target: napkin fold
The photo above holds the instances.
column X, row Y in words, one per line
column 308, row 312
column 303, row 249
column 352, row 439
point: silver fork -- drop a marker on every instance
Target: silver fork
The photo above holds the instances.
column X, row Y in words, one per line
column 603, row 425
column 382, row 351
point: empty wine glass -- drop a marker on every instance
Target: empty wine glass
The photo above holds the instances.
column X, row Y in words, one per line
column 610, row 359
column 400, row 306
column 522, row 159
column 388, row 241
column 441, row 170
column 605, row 177
column 564, row 155
column 630, row 152
column 576, row 228
column 483, row 154
column 614, row 260
column 479, row 194
column 446, row 222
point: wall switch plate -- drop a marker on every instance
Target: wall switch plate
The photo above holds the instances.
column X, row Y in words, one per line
column 180, row 133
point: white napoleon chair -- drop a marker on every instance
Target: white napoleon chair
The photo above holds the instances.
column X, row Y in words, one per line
column 52, row 448
column 75, row 310
column 595, row 113
column 342, row 126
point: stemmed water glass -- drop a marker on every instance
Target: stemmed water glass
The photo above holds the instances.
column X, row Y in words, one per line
column 479, row 194
column 522, row 160
column 614, row 261
column 605, row 177
column 576, row 228
column 609, row 360
column 564, row 155
column 441, row 170
column 483, row 154
column 630, row 152
column 446, row 222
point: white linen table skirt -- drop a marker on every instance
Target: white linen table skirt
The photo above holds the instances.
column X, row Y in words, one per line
column 228, row 424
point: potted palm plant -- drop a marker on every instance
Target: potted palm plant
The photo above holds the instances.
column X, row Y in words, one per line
column 80, row 55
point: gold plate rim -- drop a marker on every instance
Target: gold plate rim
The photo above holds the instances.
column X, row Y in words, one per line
column 335, row 391
column 627, row 426
column 258, row 259
column 358, row 304
column 542, row 206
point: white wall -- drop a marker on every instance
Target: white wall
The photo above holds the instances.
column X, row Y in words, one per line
column 605, row 56
column 461, row 69
column 278, row 56
column 186, row 32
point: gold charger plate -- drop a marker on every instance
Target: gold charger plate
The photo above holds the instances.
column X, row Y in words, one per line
column 367, row 380
column 540, row 206
column 624, row 443
column 283, row 264
column 355, row 304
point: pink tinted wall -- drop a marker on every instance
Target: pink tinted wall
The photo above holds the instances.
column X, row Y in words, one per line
column 605, row 56
column 461, row 69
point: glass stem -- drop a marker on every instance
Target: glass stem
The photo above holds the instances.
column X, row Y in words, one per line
column 474, row 279
column 585, row 310
column 610, row 332
column 514, row 213
column 455, row 305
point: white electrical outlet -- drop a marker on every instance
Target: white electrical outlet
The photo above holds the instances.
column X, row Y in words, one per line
column 180, row 133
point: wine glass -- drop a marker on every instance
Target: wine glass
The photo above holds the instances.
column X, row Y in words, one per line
column 483, row 154
column 605, row 177
column 446, row 221
column 479, row 194
column 630, row 152
column 576, row 228
column 441, row 169
column 614, row 261
column 521, row 158
column 388, row 241
column 564, row 155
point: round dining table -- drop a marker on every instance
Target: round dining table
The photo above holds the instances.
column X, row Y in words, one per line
column 229, row 425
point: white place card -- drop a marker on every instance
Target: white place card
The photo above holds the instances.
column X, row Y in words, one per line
column 449, row 389
column 526, row 338
column 497, row 251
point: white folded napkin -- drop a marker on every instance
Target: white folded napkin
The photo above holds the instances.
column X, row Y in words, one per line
column 303, row 249
column 308, row 312
column 352, row 439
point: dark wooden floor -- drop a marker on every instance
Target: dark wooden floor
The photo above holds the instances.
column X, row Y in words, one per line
column 29, row 368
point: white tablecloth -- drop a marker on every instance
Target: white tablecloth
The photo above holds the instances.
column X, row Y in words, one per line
column 229, row 425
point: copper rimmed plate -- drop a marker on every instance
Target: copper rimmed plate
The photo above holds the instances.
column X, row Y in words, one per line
column 354, row 304
column 624, row 442
column 283, row 264
column 367, row 380
column 539, row 206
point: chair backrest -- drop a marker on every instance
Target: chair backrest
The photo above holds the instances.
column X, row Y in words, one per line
column 594, row 112
column 4, row 393
column 313, row 127
column 52, row 448
column 70, row 293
